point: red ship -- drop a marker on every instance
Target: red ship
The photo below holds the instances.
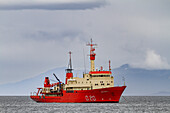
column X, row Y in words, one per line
column 97, row 86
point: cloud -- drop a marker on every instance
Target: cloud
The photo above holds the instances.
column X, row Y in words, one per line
column 42, row 35
column 155, row 61
column 42, row 49
column 151, row 60
column 41, row 39
column 50, row 4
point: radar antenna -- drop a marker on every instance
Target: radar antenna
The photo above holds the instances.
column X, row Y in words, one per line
column 92, row 54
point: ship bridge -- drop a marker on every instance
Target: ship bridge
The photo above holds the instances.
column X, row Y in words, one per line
column 100, row 73
column 94, row 73
column 95, row 79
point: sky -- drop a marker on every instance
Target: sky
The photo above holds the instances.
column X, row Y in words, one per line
column 36, row 35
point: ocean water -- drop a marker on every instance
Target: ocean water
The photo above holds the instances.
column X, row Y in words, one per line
column 127, row 104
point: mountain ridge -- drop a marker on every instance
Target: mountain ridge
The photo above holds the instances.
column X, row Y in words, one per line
column 139, row 81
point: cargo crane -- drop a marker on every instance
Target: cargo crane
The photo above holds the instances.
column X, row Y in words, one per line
column 58, row 81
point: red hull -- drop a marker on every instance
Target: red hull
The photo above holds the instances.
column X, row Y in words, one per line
column 109, row 95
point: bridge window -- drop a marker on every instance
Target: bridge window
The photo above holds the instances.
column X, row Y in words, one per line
column 96, row 84
column 100, row 75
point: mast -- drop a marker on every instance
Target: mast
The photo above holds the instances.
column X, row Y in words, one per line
column 92, row 55
column 69, row 69
column 109, row 66
column 69, row 73
column 70, row 64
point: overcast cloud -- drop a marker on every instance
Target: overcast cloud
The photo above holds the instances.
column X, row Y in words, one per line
column 127, row 31
column 50, row 4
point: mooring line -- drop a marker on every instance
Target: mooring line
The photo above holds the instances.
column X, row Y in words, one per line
column 128, row 102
